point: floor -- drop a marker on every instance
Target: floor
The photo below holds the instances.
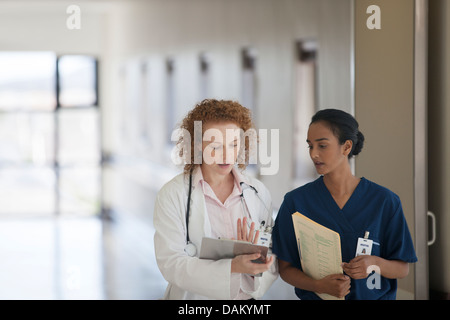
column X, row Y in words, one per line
column 83, row 258
column 47, row 258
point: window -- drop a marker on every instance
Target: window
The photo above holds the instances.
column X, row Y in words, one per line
column 170, row 98
column 77, row 77
column 79, row 161
column 248, row 56
column 26, row 163
column 49, row 134
column 78, row 136
column 26, row 137
column 249, row 92
column 205, row 78
column 27, row 81
column 144, row 103
column 305, row 107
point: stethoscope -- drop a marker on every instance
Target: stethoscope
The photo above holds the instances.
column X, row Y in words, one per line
column 190, row 247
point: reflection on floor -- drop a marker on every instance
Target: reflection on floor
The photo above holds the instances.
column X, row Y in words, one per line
column 45, row 258
column 48, row 258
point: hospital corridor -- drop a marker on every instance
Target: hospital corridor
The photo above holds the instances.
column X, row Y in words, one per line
column 92, row 92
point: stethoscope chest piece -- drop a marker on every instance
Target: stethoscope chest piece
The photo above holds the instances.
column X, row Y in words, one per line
column 190, row 249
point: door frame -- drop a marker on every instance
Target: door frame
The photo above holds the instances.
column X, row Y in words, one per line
column 420, row 149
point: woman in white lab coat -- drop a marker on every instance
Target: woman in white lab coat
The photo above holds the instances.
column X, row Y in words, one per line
column 215, row 210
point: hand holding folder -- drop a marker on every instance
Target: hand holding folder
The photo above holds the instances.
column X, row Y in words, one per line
column 319, row 249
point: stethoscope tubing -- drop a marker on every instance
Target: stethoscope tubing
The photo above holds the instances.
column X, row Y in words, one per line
column 190, row 247
column 188, row 208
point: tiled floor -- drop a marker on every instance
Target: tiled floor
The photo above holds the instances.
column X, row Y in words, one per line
column 48, row 258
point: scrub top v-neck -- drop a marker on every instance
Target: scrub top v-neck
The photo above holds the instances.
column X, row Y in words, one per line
column 345, row 214
column 371, row 208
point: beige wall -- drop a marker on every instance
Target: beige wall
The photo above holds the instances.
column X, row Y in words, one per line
column 384, row 92
column 439, row 142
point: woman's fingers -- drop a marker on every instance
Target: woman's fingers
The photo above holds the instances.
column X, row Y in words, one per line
column 243, row 234
column 239, row 230
column 252, row 230
column 255, row 240
column 244, row 229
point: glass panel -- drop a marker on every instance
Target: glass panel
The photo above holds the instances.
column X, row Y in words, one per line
column 27, row 190
column 77, row 81
column 27, row 138
column 27, row 81
column 79, row 141
column 80, row 190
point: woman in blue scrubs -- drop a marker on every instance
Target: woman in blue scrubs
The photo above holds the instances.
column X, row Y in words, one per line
column 355, row 208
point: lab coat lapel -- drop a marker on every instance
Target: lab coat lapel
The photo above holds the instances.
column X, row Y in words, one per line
column 252, row 205
column 249, row 198
column 199, row 225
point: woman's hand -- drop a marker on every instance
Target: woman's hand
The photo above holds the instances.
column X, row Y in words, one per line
column 337, row 285
column 242, row 234
column 243, row 264
column 357, row 268
column 361, row 266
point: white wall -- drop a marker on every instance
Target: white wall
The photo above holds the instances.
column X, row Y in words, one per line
column 154, row 30
column 41, row 26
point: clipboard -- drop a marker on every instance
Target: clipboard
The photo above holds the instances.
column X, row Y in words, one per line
column 216, row 249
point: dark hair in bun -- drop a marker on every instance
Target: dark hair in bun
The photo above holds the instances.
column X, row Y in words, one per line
column 344, row 126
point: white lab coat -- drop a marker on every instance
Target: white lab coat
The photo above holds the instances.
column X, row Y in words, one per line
column 191, row 277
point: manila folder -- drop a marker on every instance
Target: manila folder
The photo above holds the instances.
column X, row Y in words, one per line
column 320, row 249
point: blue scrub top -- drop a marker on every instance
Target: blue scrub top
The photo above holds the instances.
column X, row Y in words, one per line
column 371, row 208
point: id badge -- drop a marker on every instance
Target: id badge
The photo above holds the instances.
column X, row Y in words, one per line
column 264, row 239
column 364, row 247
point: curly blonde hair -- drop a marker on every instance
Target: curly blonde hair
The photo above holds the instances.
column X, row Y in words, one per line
column 215, row 111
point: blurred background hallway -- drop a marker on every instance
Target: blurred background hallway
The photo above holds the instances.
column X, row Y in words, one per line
column 91, row 91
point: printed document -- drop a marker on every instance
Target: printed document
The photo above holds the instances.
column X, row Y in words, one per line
column 320, row 249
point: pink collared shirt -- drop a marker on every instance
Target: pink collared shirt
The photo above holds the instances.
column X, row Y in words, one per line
column 223, row 218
